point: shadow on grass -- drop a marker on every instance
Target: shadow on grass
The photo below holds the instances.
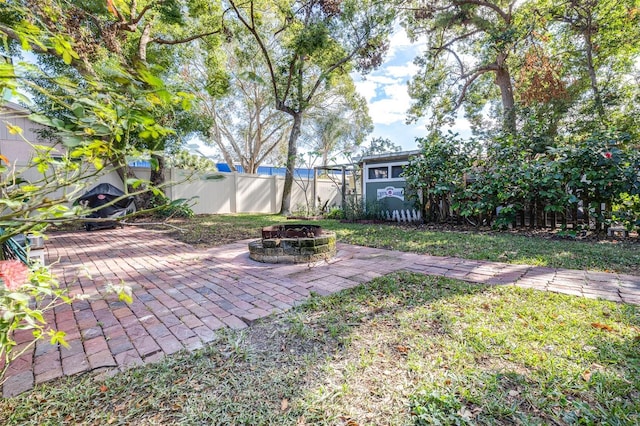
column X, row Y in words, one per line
column 572, row 369
column 403, row 349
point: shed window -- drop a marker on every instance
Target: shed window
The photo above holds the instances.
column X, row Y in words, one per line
column 379, row 172
column 396, row 171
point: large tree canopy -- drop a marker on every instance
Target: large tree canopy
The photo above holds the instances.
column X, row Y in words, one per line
column 339, row 122
column 542, row 66
column 305, row 45
column 240, row 120
column 103, row 40
column 468, row 52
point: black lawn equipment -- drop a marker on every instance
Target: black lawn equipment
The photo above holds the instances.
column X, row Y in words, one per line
column 99, row 198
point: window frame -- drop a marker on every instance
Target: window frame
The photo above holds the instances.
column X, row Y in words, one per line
column 389, row 167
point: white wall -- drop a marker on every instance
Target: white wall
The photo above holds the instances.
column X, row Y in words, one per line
column 244, row 193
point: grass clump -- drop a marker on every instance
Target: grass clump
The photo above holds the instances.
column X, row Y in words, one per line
column 404, row 349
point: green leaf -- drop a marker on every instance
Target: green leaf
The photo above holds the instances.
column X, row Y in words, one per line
column 41, row 119
column 71, row 141
column 78, row 110
column 58, row 337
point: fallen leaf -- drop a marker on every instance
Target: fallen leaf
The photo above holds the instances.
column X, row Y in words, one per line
column 352, row 423
column 601, row 326
column 586, row 375
column 447, row 382
column 284, row 404
column 486, row 306
column 402, row 349
column 465, row 413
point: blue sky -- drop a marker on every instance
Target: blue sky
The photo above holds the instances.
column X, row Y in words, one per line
column 385, row 90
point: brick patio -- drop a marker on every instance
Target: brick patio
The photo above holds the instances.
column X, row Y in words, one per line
column 183, row 295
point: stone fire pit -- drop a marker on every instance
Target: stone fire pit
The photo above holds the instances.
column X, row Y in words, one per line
column 293, row 243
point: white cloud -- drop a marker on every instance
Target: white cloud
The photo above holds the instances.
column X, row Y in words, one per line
column 380, row 79
column 386, row 112
column 399, row 41
column 385, row 90
column 367, row 88
column 461, row 126
column 401, row 71
column 393, row 107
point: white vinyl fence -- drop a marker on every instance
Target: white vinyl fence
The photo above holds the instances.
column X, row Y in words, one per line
column 234, row 193
column 245, row 193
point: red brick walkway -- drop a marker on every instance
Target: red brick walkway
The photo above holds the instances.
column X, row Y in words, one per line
column 182, row 295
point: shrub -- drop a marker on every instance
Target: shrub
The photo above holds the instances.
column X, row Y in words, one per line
column 165, row 208
column 355, row 209
column 627, row 212
column 335, row 213
column 25, row 295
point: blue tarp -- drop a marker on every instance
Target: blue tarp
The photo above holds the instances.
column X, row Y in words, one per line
column 262, row 170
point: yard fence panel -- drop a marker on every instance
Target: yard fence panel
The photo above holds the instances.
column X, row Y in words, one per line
column 246, row 193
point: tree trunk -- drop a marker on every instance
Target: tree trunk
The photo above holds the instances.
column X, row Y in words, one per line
column 325, row 158
column 503, row 81
column 216, row 135
column 597, row 97
column 157, row 174
column 156, row 179
column 292, row 154
column 124, row 173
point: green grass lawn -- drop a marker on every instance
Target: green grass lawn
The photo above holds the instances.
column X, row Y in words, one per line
column 403, row 349
column 493, row 246
column 499, row 247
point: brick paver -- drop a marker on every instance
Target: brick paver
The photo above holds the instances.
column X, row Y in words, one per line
column 183, row 295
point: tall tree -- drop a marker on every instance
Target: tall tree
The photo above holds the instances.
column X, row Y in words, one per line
column 305, row 44
column 597, row 42
column 469, row 44
column 241, row 121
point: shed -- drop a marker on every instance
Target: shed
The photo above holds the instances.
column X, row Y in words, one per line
column 382, row 181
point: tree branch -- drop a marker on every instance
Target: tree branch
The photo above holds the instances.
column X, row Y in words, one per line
column 471, row 77
column 78, row 64
column 265, row 53
column 456, row 39
column 185, row 40
column 504, row 15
